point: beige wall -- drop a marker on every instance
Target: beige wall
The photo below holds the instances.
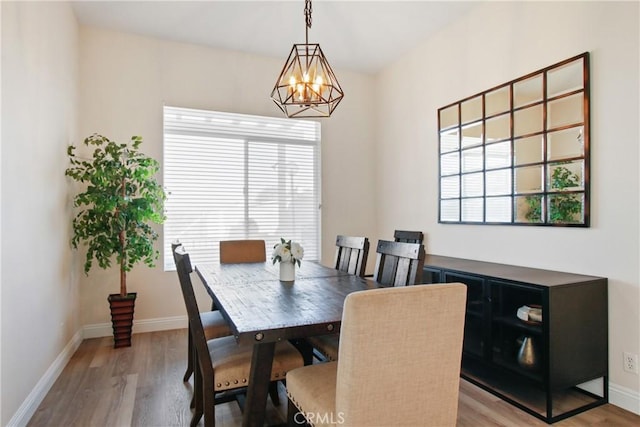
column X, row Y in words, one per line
column 39, row 104
column 124, row 81
column 518, row 38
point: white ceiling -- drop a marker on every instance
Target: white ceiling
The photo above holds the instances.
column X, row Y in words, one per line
column 361, row 36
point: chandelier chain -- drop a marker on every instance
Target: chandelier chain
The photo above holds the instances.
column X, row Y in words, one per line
column 307, row 12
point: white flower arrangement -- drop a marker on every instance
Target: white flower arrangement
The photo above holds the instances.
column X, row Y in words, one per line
column 287, row 251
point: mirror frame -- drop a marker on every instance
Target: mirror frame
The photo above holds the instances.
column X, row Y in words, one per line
column 464, row 137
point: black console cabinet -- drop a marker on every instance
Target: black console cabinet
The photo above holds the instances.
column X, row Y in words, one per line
column 534, row 365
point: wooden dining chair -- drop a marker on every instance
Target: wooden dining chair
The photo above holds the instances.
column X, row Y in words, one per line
column 239, row 251
column 399, row 362
column 407, row 236
column 351, row 254
column 398, row 263
column 214, row 325
column 222, row 364
column 351, row 257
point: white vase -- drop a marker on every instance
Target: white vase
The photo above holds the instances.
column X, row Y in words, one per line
column 287, row 271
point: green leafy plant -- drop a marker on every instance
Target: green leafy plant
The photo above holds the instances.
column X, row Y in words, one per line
column 563, row 208
column 121, row 199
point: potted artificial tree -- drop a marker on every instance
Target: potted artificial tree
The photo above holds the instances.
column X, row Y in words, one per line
column 121, row 199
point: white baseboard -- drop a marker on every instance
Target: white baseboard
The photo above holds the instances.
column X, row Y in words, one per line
column 625, row 398
column 98, row 330
column 37, row 395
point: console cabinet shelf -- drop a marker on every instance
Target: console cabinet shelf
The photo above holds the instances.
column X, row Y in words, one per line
column 538, row 366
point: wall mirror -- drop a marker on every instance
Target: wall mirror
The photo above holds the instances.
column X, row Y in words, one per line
column 519, row 153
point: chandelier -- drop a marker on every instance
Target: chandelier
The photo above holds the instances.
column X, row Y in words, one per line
column 307, row 86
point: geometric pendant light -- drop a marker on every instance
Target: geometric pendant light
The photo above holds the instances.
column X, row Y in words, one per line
column 307, row 86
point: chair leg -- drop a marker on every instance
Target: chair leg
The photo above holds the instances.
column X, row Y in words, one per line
column 209, row 403
column 273, row 393
column 295, row 418
column 190, row 358
column 198, row 392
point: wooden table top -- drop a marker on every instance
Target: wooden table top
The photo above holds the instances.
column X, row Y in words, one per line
column 260, row 308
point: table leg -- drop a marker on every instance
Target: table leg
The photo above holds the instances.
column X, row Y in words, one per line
column 259, row 379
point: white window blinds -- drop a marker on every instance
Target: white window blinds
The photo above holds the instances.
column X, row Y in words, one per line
column 234, row 176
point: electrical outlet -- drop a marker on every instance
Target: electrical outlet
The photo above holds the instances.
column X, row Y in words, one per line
column 630, row 362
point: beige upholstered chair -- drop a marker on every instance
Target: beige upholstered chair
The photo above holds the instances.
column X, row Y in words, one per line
column 213, row 324
column 407, row 236
column 399, row 364
column 238, row 251
column 222, row 365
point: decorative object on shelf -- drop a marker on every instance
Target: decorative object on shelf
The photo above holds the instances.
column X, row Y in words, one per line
column 307, row 86
column 121, row 199
column 288, row 253
column 527, row 357
column 531, row 313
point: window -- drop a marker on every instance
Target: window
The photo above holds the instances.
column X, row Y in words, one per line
column 235, row 176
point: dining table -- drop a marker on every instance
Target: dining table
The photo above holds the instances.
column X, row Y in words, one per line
column 262, row 310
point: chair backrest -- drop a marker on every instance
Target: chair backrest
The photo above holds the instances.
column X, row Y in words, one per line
column 184, row 269
column 408, row 236
column 399, row 356
column 175, row 245
column 399, row 264
column 351, row 254
column 238, row 251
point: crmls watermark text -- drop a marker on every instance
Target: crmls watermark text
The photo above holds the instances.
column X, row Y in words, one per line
column 318, row 418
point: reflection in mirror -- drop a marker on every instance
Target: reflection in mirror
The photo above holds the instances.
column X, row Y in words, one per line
column 450, row 164
column 529, row 209
column 472, row 185
column 566, row 176
column 566, row 208
column 527, row 91
column 472, row 209
column 450, row 187
column 498, row 128
column 564, row 79
column 449, row 117
column 565, row 111
column 515, row 155
column 471, row 110
column 498, row 155
column 498, row 182
column 472, row 135
column 528, row 150
column 450, row 210
column 472, row 160
column 529, row 179
column 449, row 140
column 565, row 144
column 527, row 120
column 497, row 101
column 498, row 209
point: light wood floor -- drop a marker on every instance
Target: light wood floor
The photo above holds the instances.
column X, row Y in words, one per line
column 142, row 386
